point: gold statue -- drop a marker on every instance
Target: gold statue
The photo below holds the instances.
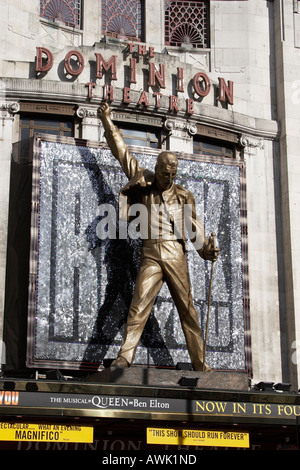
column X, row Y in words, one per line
column 164, row 255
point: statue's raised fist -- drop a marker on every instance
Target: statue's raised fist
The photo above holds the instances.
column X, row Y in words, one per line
column 104, row 111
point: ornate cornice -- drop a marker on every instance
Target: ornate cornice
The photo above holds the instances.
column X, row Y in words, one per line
column 76, row 93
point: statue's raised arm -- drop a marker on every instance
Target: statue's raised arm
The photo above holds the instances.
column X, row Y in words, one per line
column 116, row 143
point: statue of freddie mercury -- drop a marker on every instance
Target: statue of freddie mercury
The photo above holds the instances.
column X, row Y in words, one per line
column 163, row 256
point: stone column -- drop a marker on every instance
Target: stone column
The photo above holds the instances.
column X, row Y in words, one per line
column 90, row 123
column 7, row 111
column 154, row 12
column 262, row 259
column 288, row 106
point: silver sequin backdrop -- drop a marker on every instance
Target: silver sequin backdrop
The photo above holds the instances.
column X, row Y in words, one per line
column 81, row 284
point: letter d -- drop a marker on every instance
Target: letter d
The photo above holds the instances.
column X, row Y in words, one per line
column 39, row 67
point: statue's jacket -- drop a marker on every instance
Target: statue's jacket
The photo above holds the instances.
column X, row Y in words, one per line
column 140, row 190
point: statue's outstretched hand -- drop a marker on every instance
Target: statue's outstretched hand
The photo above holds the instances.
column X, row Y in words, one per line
column 211, row 251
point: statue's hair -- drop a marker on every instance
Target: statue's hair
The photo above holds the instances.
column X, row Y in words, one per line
column 167, row 157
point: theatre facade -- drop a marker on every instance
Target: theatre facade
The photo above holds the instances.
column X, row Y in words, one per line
column 214, row 81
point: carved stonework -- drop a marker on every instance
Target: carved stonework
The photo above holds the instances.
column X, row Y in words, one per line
column 8, row 109
column 91, row 130
column 180, row 127
column 251, row 144
column 84, row 112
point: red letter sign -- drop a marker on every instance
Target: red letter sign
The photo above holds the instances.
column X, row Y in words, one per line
column 201, row 91
column 68, row 66
column 112, row 63
column 226, row 92
column 39, row 67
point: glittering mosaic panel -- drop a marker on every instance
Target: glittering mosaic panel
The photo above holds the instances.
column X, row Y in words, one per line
column 81, row 284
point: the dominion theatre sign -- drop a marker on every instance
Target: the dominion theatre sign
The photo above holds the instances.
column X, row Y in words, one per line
column 75, row 63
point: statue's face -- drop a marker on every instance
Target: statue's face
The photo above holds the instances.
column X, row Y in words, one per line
column 166, row 170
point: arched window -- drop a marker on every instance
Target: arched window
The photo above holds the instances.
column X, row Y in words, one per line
column 187, row 24
column 67, row 12
column 123, row 19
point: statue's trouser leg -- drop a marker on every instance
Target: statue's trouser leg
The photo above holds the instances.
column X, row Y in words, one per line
column 148, row 283
column 163, row 261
